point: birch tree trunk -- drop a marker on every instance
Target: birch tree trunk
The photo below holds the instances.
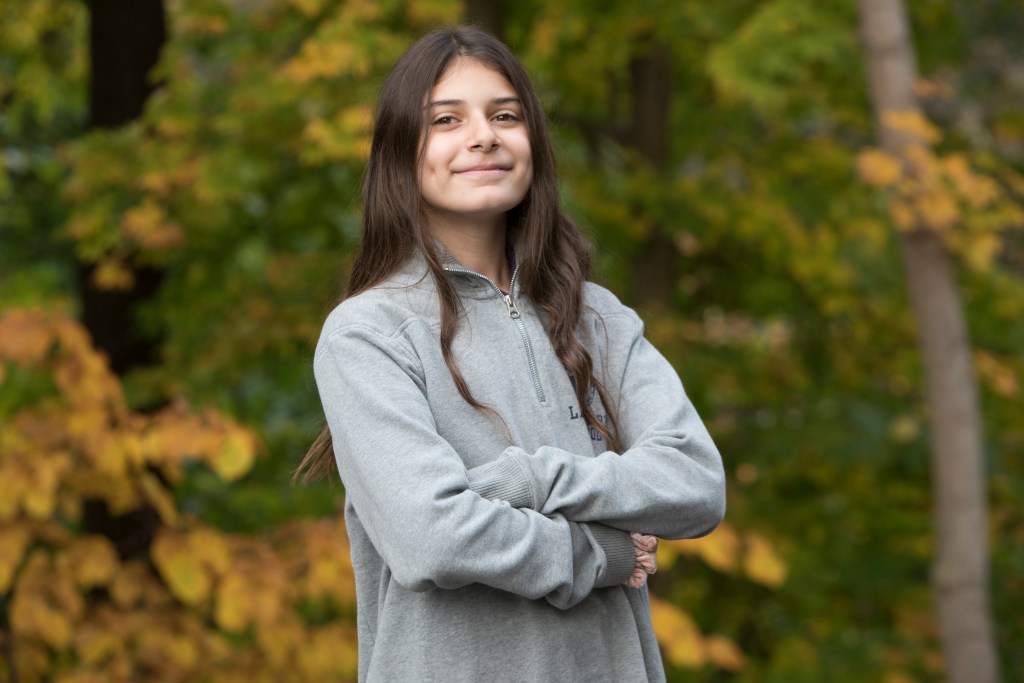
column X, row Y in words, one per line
column 960, row 573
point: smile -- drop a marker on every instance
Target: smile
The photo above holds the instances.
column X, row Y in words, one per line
column 486, row 169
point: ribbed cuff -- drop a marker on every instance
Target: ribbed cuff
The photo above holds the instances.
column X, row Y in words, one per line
column 502, row 479
column 619, row 551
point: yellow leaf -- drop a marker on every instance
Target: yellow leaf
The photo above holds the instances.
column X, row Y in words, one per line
column 975, row 189
column 981, row 250
column 33, row 615
column 159, row 497
column 236, row 455
column 95, row 645
column 762, row 564
column 148, row 226
column 720, row 549
column 912, row 123
column 40, row 500
column 209, row 548
column 184, row 574
column 937, row 210
column 231, row 611
column 113, row 275
column 320, row 58
column 328, row 653
column 678, row 634
column 904, row 428
column 130, row 584
column 93, row 561
column 281, row 639
column 724, row 653
column 14, row 539
column 878, row 168
column 902, row 215
column 13, row 484
column 667, row 555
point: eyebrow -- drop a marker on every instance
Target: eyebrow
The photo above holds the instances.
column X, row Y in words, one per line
column 456, row 103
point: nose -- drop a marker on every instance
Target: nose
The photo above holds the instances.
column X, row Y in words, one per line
column 481, row 134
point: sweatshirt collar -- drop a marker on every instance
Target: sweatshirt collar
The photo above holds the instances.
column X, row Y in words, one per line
column 470, row 283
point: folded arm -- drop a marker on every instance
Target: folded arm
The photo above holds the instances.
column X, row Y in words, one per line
column 668, row 482
column 411, row 490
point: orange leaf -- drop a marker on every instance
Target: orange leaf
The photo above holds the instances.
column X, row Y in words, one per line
column 724, row 653
column 25, row 336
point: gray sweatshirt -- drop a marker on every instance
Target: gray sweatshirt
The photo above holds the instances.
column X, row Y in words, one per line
column 491, row 548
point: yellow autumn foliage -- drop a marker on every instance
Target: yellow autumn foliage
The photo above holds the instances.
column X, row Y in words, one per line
column 681, row 640
column 878, row 168
column 913, row 124
column 928, row 190
column 724, row 653
column 762, row 563
column 76, row 607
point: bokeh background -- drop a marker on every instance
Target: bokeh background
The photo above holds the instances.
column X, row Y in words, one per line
column 179, row 200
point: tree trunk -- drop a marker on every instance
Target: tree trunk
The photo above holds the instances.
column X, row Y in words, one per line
column 125, row 39
column 960, row 571
column 488, row 15
column 654, row 270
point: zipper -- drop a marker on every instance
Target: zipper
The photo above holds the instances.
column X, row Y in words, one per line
column 513, row 313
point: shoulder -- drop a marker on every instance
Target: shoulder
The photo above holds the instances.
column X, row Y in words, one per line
column 601, row 306
column 383, row 313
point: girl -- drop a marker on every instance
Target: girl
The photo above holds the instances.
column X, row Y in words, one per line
column 500, row 425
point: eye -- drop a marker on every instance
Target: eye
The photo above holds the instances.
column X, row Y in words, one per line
column 445, row 120
column 507, row 117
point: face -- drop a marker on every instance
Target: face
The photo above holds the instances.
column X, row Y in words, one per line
column 476, row 163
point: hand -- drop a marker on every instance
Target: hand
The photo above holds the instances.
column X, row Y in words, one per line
column 646, row 559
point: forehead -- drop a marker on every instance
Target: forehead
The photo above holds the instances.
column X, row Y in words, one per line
column 466, row 77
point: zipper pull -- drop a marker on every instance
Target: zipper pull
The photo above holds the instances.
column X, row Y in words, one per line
column 513, row 312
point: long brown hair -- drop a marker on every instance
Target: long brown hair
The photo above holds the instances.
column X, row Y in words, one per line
column 553, row 257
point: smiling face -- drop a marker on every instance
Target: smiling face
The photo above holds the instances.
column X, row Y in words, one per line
column 476, row 162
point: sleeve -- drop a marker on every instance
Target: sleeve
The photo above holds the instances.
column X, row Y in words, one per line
column 411, row 492
column 669, row 481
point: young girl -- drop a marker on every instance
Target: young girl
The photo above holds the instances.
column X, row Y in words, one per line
column 500, row 425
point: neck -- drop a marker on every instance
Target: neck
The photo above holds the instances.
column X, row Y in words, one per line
column 478, row 246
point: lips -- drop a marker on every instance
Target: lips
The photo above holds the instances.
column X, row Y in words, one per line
column 484, row 168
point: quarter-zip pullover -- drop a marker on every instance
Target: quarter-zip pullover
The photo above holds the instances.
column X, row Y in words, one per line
column 494, row 546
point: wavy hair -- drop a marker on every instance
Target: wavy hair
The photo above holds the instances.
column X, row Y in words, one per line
column 553, row 257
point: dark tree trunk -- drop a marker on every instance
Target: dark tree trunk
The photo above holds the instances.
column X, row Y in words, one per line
column 487, row 14
column 125, row 39
column 654, row 273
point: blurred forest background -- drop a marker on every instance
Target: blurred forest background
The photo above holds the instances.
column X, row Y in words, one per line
column 179, row 198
